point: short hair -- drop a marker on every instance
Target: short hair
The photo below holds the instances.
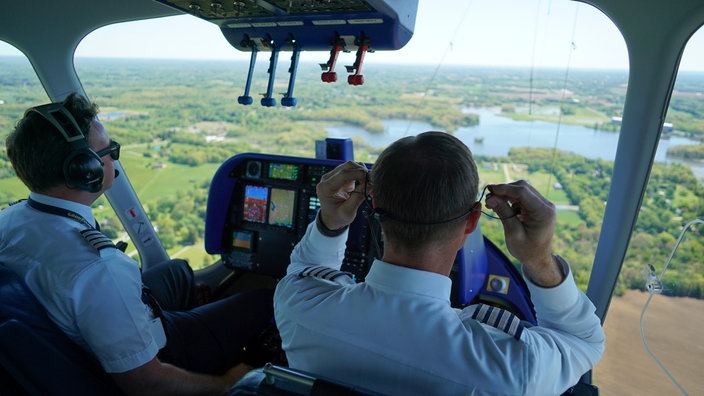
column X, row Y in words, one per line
column 419, row 183
column 37, row 150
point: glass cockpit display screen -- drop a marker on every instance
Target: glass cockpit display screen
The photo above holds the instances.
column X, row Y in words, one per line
column 283, row 171
column 255, row 201
column 281, row 207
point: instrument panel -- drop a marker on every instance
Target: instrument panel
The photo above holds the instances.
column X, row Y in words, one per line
column 271, row 201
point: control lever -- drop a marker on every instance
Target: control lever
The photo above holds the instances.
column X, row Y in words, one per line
column 246, row 99
column 358, row 78
column 288, row 99
column 329, row 75
column 268, row 100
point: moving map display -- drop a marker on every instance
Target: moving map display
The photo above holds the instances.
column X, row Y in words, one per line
column 281, row 207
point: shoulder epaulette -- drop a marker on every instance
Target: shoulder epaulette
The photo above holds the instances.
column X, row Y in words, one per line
column 326, row 273
column 500, row 319
column 97, row 239
column 16, row 202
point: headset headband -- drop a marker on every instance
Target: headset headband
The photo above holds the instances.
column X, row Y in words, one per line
column 381, row 215
column 82, row 168
column 61, row 119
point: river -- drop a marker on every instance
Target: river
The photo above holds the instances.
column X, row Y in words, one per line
column 498, row 134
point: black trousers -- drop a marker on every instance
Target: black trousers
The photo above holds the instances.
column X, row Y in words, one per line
column 172, row 284
column 210, row 338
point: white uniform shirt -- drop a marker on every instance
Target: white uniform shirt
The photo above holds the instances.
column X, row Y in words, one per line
column 93, row 296
column 396, row 333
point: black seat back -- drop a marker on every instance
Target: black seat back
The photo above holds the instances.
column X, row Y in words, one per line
column 272, row 380
column 36, row 355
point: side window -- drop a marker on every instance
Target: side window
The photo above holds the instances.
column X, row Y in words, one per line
column 19, row 89
column 672, row 214
column 545, row 84
column 172, row 116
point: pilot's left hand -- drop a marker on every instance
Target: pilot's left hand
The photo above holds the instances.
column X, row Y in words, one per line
column 341, row 192
column 529, row 224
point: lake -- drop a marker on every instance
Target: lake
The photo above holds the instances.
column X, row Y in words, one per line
column 498, row 134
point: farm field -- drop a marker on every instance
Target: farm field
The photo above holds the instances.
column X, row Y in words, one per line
column 627, row 369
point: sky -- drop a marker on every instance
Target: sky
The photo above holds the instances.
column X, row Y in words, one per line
column 539, row 33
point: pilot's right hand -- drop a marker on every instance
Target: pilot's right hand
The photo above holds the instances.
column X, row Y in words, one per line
column 336, row 191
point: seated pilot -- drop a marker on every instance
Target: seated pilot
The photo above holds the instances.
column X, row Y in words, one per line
column 396, row 333
column 150, row 340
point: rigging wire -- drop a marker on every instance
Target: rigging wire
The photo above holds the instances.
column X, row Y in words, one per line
column 532, row 59
column 562, row 97
column 531, row 87
column 440, row 62
column 654, row 286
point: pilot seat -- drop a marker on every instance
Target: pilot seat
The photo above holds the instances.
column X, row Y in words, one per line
column 36, row 357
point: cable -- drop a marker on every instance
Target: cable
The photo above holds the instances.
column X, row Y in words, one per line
column 562, row 97
column 532, row 60
column 440, row 62
column 654, row 286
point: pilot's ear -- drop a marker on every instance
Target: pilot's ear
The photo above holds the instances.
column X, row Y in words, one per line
column 473, row 219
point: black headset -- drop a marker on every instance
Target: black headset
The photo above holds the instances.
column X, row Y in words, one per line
column 82, row 168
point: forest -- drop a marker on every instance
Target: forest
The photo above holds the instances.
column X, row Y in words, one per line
column 178, row 120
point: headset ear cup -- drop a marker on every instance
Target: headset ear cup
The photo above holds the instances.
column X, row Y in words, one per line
column 83, row 170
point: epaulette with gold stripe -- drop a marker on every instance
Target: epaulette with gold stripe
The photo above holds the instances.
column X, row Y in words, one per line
column 97, row 239
column 326, row 273
column 500, row 319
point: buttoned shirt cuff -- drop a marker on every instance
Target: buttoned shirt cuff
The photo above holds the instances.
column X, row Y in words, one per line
column 326, row 231
column 555, row 299
column 563, row 267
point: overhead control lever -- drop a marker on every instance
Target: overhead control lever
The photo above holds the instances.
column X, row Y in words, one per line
column 288, row 99
column 268, row 100
column 329, row 75
column 357, row 78
column 246, row 99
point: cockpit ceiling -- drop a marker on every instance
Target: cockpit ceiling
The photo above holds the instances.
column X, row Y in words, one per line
column 307, row 25
column 246, row 9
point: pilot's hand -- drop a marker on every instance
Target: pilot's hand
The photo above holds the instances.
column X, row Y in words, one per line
column 236, row 373
column 529, row 223
column 341, row 192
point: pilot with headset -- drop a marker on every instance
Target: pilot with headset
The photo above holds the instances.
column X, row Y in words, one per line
column 150, row 341
column 396, row 333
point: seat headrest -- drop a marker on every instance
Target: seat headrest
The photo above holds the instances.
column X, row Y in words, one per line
column 20, row 303
column 21, row 309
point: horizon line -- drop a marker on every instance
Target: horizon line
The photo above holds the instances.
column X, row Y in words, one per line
column 380, row 62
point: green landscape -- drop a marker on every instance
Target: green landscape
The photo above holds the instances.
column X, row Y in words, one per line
column 178, row 120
